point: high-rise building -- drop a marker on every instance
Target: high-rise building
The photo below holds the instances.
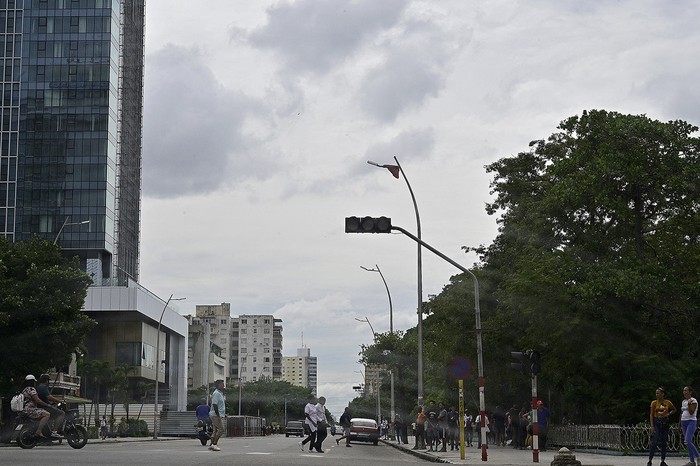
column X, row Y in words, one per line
column 301, row 370
column 211, row 357
column 70, row 129
column 259, row 348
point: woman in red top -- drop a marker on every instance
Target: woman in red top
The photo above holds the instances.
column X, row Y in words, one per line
column 660, row 411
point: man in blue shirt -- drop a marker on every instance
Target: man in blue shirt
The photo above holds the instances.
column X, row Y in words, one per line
column 45, row 395
column 202, row 411
column 217, row 413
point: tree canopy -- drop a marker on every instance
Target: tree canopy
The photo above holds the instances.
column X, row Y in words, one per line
column 41, row 323
column 596, row 265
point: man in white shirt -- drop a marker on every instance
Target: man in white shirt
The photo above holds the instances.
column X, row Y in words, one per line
column 310, row 421
column 321, row 424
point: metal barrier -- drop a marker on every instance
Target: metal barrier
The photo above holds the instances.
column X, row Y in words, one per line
column 635, row 438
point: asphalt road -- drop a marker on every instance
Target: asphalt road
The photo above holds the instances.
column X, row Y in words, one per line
column 271, row 450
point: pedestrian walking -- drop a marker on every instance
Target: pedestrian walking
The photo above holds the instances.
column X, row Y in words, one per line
column 660, row 412
column 345, row 422
column 321, row 424
column 217, row 413
column 103, row 427
column 689, row 423
column 310, row 421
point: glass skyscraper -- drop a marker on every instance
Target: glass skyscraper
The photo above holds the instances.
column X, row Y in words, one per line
column 70, row 129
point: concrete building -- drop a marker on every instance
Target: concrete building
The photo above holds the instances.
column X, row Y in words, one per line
column 129, row 318
column 259, row 340
column 301, row 370
column 209, row 348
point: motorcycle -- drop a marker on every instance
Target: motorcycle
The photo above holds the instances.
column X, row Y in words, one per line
column 204, row 431
column 25, row 431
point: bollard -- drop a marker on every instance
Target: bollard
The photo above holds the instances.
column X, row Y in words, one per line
column 564, row 457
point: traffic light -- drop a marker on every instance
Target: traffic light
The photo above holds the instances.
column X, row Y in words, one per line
column 367, row 225
column 535, row 365
column 523, row 359
column 528, row 362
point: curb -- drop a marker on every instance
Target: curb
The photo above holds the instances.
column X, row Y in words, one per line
column 420, row 454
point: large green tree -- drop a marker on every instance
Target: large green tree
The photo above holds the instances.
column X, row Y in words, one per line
column 596, row 265
column 597, row 261
column 41, row 323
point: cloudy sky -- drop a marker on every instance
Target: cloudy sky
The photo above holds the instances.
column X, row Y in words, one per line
column 260, row 117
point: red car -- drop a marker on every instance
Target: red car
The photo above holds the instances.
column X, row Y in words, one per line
column 364, row 430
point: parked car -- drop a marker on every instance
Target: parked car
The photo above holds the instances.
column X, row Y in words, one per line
column 294, row 428
column 364, row 430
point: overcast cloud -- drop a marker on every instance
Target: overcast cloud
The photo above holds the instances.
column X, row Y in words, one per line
column 260, row 117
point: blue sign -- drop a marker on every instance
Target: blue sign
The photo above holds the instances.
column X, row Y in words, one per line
column 460, row 368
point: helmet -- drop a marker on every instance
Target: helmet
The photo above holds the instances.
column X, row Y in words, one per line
column 30, row 377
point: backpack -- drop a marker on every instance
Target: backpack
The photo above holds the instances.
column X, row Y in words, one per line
column 17, row 403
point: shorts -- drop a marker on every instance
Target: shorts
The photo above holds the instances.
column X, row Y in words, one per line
column 218, row 425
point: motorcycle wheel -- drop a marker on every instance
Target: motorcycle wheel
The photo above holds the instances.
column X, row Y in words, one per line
column 77, row 437
column 26, row 439
column 203, row 437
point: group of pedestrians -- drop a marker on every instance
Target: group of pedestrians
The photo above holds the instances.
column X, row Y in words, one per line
column 317, row 423
column 436, row 427
column 660, row 412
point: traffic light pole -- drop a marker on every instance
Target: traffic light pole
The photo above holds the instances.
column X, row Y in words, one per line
column 535, row 425
column 479, row 347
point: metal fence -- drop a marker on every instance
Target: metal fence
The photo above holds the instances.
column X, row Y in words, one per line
column 613, row 437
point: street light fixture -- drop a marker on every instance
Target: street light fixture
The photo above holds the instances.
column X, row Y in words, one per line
column 351, row 226
column 65, row 224
column 156, row 416
column 391, row 309
column 395, row 170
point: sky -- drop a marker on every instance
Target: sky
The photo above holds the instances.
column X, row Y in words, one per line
column 260, row 117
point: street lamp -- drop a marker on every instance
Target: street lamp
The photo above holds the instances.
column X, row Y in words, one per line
column 395, row 170
column 366, row 319
column 391, row 309
column 157, row 367
column 391, row 331
column 65, row 224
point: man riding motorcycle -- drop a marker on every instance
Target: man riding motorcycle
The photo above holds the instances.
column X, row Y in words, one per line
column 45, row 395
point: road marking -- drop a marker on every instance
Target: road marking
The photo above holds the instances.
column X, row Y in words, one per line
column 258, row 453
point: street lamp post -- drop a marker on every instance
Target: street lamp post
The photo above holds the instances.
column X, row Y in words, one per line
column 395, row 170
column 157, row 367
column 391, row 331
column 240, row 393
column 65, row 224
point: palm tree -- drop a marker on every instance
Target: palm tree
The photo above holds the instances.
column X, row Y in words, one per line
column 99, row 373
column 119, row 385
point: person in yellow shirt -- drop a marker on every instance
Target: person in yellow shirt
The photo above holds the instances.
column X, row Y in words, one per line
column 660, row 411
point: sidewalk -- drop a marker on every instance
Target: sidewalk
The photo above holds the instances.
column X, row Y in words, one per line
column 508, row 456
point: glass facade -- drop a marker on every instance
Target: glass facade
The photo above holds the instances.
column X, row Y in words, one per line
column 71, row 128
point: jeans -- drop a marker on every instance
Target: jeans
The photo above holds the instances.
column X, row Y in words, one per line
column 660, row 433
column 689, row 428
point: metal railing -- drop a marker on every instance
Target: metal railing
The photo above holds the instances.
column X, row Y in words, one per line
column 636, row 438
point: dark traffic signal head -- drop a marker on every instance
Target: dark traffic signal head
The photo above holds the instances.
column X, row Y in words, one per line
column 535, row 364
column 522, row 364
column 528, row 362
column 367, row 225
